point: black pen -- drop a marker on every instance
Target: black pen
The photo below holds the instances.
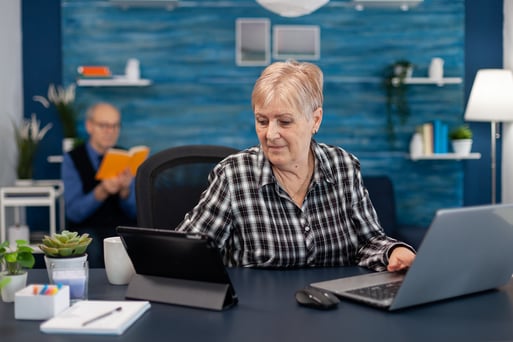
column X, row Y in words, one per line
column 119, row 308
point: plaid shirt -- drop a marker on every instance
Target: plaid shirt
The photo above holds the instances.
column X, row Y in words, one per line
column 255, row 223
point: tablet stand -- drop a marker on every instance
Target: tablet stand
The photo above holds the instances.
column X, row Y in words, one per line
column 206, row 295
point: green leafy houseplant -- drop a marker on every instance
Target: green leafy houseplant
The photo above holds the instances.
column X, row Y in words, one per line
column 65, row 245
column 28, row 136
column 396, row 90
column 15, row 260
column 461, row 132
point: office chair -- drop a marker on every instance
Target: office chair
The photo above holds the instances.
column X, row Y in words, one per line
column 169, row 183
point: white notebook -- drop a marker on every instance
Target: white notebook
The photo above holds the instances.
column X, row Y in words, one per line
column 96, row 317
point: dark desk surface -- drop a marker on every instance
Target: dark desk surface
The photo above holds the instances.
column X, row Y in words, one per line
column 267, row 311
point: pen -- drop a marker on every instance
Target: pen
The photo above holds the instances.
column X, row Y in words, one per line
column 108, row 313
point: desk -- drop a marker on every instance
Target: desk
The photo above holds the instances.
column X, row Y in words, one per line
column 267, row 312
column 35, row 193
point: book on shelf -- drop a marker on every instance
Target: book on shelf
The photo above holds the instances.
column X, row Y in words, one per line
column 440, row 137
column 427, row 137
column 434, row 137
column 94, row 71
column 101, row 317
column 117, row 160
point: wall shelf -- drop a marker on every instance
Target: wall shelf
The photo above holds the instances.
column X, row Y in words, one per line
column 116, row 81
column 427, row 80
column 445, row 156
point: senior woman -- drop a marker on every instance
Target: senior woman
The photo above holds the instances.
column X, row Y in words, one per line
column 291, row 201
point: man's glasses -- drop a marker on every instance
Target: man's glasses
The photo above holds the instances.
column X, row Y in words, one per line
column 106, row 126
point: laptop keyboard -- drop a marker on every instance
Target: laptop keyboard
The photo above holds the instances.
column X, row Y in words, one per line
column 379, row 292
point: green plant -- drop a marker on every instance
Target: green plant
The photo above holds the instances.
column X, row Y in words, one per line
column 461, row 132
column 396, row 90
column 66, row 244
column 14, row 260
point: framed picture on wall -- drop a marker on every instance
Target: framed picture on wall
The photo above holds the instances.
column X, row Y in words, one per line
column 252, row 41
column 296, row 41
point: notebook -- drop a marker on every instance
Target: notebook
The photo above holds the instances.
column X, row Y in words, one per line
column 101, row 317
column 177, row 268
column 466, row 250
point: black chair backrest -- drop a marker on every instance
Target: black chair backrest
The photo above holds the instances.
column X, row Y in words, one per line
column 381, row 193
column 169, row 183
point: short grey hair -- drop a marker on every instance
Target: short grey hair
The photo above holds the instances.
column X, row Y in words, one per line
column 296, row 84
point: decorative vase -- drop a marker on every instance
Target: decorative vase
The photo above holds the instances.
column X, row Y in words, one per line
column 17, row 282
column 436, row 69
column 416, row 145
column 462, row 146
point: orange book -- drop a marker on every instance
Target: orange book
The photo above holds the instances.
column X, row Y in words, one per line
column 117, row 160
column 94, row 71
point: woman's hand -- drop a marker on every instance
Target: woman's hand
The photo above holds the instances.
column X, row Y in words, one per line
column 400, row 259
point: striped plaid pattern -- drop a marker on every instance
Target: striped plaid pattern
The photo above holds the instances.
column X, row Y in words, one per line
column 255, row 223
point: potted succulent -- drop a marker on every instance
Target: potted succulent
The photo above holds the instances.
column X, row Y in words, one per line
column 461, row 139
column 395, row 86
column 66, row 261
column 14, row 261
column 65, row 245
column 65, row 248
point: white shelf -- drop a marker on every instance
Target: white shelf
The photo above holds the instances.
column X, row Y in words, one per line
column 427, row 80
column 116, row 81
column 446, row 156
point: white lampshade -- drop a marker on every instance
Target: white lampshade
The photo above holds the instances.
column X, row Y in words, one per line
column 491, row 97
column 292, row 8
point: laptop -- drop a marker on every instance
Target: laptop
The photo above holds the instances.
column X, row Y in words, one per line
column 466, row 250
column 177, row 268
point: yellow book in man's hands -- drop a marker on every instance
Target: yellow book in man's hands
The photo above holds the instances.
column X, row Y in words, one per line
column 116, row 161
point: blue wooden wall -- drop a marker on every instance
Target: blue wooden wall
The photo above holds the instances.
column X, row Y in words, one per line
column 200, row 95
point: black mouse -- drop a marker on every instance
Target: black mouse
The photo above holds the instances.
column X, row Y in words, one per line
column 316, row 298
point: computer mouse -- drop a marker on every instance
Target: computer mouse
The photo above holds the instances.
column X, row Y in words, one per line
column 316, row 298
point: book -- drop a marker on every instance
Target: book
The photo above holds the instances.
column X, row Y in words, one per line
column 94, row 71
column 440, row 137
column 427, row 136
column 100, row 317
column 117, row 160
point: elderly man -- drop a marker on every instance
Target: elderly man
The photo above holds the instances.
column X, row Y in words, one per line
column 93, row 206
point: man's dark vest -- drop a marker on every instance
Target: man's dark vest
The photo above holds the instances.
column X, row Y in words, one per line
column 109, row 214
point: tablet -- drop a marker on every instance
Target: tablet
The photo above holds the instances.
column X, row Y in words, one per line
column 173, row 261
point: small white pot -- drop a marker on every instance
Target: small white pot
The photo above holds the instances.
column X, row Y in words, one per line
column 462, row 146
column 52, row 263
column 16, row 283
column 73, row 272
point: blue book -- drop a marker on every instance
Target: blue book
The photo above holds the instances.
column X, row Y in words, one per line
column 437, row 131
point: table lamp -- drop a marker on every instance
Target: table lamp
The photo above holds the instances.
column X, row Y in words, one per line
column 491, row 100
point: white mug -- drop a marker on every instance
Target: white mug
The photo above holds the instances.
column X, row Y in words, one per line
column 118, row 266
